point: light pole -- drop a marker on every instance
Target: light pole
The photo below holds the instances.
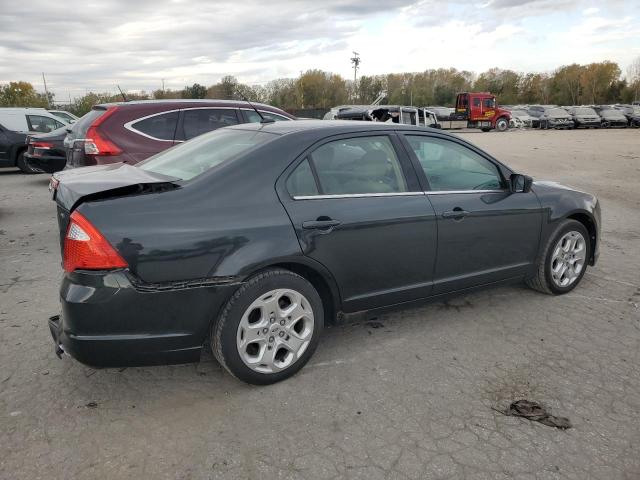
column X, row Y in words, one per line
column 355, row 60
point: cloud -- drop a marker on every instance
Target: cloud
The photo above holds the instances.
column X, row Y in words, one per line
column 136, row 44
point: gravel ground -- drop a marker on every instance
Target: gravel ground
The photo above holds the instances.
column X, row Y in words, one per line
column 411, row 395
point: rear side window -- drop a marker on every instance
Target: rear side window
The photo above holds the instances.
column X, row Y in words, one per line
column 41, row 124
column 203, row 120
column 361, row 165
column 160, row 127
column 301, row 182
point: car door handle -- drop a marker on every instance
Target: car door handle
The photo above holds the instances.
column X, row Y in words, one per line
column 456, row 213
column 320, row 224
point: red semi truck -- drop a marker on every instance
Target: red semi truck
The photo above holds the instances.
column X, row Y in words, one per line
column 480, row 110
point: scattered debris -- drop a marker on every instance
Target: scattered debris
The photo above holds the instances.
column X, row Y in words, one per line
column 92, row 405
column 536, row 413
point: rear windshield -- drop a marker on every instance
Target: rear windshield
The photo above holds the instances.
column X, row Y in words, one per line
column 204, row 152
column 79, row 129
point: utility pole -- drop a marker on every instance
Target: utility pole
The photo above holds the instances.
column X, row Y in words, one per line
column 46, row 92
column 355, row 61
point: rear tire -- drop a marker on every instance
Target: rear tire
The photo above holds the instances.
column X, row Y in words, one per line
column 269, row 328
column 22, row 165
column 567, row 250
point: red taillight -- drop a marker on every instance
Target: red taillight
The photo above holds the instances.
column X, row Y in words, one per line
column 42, row 145
column 86, row 249
column 96, row 143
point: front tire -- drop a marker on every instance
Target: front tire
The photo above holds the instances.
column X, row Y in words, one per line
column 564, row 260
column 269, row 328
column 502, row 125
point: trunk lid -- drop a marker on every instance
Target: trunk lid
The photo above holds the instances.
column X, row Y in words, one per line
column 71, row 187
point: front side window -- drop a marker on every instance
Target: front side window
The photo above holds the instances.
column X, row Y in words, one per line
column 41, row 124
column 190, row 159
column 359, row 165
column 203, row 120
column 489, row 103
column 450, row 166
column 253, row 117
column 161, row 127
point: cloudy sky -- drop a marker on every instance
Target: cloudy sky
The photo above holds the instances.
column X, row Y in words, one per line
column 94, row 45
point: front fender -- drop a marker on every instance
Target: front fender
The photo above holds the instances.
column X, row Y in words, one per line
column 560, row 202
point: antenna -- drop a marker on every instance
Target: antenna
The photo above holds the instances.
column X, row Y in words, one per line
column 122, row 93
column 264, row 120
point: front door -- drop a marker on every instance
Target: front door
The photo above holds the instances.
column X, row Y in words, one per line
column 485, row 232
column 358, row 210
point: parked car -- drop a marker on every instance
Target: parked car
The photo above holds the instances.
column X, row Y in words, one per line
column 550, row 117
column 45, row 152
column 66, row 116
column 611, row 117
column 15, row 125
column 584, row 117
column 632, row 112
column 521, row 118
column 253, row 237
column 133, row 131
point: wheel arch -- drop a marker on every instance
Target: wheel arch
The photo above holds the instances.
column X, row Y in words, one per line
column 589, row 223
column 318, row 276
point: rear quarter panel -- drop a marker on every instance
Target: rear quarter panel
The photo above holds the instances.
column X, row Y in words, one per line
column 222, row 225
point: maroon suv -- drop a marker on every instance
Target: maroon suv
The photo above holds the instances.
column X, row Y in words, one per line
column 133, row 131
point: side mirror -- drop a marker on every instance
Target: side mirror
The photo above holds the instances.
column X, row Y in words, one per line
column 520, row 183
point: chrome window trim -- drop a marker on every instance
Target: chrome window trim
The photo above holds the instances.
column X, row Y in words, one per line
column 357, row 195
column 446, row 192
column 129, row 125
column 392, row 194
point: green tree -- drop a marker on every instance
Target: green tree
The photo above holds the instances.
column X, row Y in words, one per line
column 22, row 94
column 597, row 79
column 194, row 91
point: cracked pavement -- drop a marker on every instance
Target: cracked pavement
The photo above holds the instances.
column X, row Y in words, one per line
column 409, row 396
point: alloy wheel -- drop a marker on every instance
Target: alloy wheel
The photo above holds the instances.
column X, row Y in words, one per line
column 275, row 331
column 568, row 259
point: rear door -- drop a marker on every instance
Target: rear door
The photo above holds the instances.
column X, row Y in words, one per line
column 196, row 121
column 485, row 232
column 357, row 208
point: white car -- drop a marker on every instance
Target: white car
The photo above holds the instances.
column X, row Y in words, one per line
column 15, row 125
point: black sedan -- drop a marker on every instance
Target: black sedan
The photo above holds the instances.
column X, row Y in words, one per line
column 253, row 237
column 46, row 152
column 611, row 117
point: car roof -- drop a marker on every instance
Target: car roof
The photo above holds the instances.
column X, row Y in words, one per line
column 332, row 127
column 182, row 101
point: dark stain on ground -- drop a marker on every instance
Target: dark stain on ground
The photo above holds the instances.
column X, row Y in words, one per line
column 374, row 324
column 456, row 306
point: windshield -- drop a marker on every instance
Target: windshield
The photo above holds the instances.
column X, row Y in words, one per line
column 196, row 156
column 584, row 111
